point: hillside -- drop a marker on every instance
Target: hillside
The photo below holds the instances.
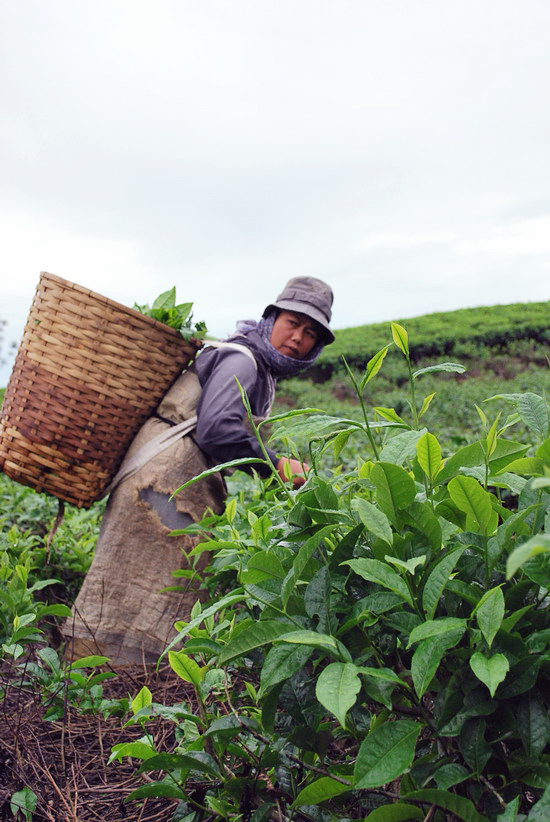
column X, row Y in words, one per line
column 504, row 349
column 498, row 328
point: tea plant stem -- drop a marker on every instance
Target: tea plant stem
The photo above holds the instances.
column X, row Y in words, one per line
column 486, row 558
column 359, row 393
column 430, row 813
column 258, row 436
column 368, row 429
column 264, row 739
column 494, row 791
column 534, row 525
column 429, row 491
column 413, row 394
column 424, row 713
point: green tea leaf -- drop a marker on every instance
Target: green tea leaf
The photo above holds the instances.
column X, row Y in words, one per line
column 54, row 610
column 337, row 689
column 295, row 412
column 421, row 516
column 468, row 495
column 543, row 452
column 490, row 670
column 459, row 805
column 473, row 745
column 541, row 482
column 89, row 662
column 428, row 452
column 375, row 571
column 520, row 555
column 302, row 559
column 374, row 520
column 50, row 657
column 394, row 488
column 199, row 761
column 426, row 404
column 451, row 367
column 449, row 775
column 533, row 724
column 409, row 565
column 165, row 300
column 437, row 581
column 436, row 627
column 489, row 613
column 384, row 674
column 472, row 455
column 282, row 662
column 386, row 753
column 511, row 812
column 262, row 565
column 492, row 437
column 261, row 633
column 400, row 338
column 165, row 789
column 374, row 365
column 521, row 678
column 390, row 415
column 221, row 467
column 318, row 640
column 541, row 811
column 339, row 442
column 139, row 750
column 319, row 791
column 402, row 447
column 396, row 812
column 186, row 667
column 533, row 410
column 317, row 598
column 427, row 657
column 528, row 466
column 25, row 802
column 143, row 699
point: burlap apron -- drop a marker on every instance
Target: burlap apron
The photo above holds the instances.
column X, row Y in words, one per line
column 121, row 611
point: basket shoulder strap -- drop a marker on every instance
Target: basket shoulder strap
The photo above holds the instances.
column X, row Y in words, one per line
column 236, row 346
column 146, row 453
column 166, row 438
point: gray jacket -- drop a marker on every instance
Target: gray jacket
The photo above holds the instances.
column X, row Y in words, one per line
column 221, row 429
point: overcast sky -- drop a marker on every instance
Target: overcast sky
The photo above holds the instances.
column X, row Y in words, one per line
column 398, row 149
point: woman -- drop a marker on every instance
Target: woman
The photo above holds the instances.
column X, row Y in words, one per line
column 122, row 611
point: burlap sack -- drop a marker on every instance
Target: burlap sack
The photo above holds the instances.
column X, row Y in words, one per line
column 121, row 611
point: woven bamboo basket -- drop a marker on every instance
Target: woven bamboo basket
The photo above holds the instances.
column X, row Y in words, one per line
column 87, row 375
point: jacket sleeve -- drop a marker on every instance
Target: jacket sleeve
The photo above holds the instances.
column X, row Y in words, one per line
column 221, row 428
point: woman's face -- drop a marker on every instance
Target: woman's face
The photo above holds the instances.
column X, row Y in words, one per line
column 294, row 335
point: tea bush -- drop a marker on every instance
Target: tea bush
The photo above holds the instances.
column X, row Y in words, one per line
column 377, row 644
column 449, row 333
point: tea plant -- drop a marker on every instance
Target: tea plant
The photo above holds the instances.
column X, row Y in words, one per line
column 23, row 804
column 68, row 683
column 382, row 650
column 446, row 334
column 180, row 317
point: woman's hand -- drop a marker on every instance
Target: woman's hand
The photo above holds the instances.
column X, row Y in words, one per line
column 296, row 468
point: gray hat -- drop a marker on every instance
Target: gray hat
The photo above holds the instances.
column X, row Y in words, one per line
column 309, row 296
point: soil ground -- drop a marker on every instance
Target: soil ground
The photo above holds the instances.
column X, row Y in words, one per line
column 65, row 762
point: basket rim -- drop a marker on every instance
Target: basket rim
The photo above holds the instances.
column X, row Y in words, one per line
column 45, row 276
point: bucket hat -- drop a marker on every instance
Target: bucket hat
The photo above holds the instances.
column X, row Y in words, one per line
column 309, row 296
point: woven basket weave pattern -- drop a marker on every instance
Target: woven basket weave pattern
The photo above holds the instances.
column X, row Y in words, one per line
column 87, row 374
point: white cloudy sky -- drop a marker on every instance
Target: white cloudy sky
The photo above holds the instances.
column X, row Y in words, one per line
column 398, row 149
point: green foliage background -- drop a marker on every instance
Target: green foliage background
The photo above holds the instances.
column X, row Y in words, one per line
column 377, row 643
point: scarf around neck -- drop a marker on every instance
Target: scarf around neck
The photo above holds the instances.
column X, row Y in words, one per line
column 280, row 364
